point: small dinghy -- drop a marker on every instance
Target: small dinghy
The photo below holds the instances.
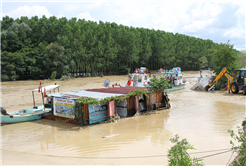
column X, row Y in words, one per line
column 34, row 113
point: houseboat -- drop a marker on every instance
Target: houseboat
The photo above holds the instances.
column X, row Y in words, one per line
column 63, row 104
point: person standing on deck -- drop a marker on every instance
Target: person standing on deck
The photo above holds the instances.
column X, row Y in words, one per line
column 172, row 79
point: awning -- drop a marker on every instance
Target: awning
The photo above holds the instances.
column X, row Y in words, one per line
column 47, row 88
column 83, row 93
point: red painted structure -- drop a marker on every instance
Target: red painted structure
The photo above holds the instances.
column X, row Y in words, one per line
column 118, row 90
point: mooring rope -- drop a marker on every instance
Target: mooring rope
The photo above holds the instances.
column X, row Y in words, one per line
column 214, row 154
column 230, row 158
column 133, row 156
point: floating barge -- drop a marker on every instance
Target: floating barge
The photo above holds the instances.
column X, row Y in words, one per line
column 64, row 103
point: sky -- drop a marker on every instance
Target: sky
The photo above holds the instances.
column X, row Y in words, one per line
column 216, row 20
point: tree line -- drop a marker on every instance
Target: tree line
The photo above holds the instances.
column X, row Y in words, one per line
column 34, row 48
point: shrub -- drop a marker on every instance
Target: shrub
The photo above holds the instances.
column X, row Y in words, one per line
column 240, row 138
column 178, row 154
column 65, row 78
column 53, row 75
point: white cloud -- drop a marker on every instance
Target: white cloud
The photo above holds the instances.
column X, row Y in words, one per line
column 68, row 7
column 201, row 16
column 235, row 32
column 60, row 15
column 240, row 11
column 85, row 15
column 158, row 15
column 29, row 11
column 206, row 11
column 197, row 25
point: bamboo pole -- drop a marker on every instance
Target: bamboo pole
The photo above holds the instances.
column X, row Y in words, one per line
column 42, row 94
column 33, row 98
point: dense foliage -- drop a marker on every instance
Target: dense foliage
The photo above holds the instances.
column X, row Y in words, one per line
column 178, row 154
column 241, row 148
column 224, row 56
column 241, row 59
column 34, row 48
column 160, row 84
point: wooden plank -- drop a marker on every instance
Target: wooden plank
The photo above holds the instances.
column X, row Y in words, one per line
column 111, row 108
column 132, row 103
column 152, row 96
column 157, row 97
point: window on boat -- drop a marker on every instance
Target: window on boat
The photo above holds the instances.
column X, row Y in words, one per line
column 139, row 78
column 145, row 78
column 135, row 80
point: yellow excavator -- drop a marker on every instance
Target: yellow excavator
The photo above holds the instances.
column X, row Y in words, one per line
column 235, row 84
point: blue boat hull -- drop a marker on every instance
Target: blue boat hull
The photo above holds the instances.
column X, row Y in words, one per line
column 24, row 115
column 175, row 88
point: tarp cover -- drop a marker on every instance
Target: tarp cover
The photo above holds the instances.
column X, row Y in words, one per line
column 121, row 108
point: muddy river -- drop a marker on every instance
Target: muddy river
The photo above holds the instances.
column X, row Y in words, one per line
column 203, row 118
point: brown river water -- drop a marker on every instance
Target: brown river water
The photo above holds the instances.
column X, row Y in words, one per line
column 203, row 118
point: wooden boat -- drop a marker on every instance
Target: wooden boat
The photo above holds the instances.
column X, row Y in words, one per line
column 24, row 115
column 29, row 114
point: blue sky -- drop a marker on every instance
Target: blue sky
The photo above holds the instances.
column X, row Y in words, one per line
column 219, row 21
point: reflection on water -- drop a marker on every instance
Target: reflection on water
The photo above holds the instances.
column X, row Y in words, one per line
column 201, row 117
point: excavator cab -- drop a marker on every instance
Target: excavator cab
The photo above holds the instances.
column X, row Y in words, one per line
column 239, row 76
column 240, row 80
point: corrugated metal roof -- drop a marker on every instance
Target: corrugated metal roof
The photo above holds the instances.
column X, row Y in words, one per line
column 83, row 93
column 118, row 90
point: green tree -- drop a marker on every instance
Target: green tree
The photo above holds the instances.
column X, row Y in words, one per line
column 95, row 47
column 6, row 23
column 55, row 60
column 178, row 154
column 241, row 58
column 224, row 56
column 15, row 37
column 203, row 62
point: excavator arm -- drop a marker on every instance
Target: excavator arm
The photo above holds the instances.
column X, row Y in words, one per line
column 221, row 74
column 223, row 71
column 230, row 79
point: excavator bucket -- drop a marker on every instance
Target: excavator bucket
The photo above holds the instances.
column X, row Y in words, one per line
column 207, row 87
